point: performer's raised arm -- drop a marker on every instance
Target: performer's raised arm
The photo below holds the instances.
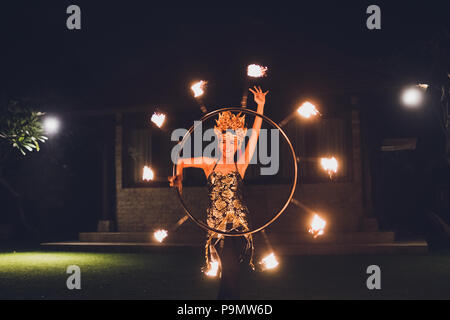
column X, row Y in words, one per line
column 260, row 99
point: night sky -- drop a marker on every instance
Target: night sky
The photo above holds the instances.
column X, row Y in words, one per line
column 140, row 54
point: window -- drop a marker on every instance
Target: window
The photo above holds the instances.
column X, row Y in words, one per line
column 144, row 145
column 325, row 138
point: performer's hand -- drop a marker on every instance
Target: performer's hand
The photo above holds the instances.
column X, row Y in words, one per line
column 260, row 97
column 176, row 182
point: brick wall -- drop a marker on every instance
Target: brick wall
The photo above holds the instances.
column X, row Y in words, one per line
column 143, row 209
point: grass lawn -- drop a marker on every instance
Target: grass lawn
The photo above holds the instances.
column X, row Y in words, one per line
column 176, row 275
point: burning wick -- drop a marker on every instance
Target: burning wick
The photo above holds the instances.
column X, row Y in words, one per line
column 213, row 269
column 330, row 165
column 158, row 119
column 317, row 226
column 256, row 71
column 160, row 235
column 148, row 174
column 307, row 110
column 199, row 88
column 269, row 261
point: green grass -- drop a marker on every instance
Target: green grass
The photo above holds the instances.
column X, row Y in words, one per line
column 176, row 275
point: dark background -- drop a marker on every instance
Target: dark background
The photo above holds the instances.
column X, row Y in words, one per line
column 137, row 54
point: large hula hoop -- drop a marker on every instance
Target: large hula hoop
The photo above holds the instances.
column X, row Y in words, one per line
column 294, row 185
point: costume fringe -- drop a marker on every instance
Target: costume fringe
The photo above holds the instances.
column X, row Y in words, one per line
column 212, row 254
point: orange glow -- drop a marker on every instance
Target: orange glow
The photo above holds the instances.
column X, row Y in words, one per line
column 198, row 88
column 213, row 269
column 307, row 110
column 160, row 235
column 256, row 71
column 330, row 165
column 148, row 174
column 158, row 119
column 317, row 226
column 269, row 262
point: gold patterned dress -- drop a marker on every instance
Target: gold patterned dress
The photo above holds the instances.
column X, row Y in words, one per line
column 226, row 212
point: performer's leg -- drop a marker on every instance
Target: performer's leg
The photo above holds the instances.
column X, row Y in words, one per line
column 229, row 283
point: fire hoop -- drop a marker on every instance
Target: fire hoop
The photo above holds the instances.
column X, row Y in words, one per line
column 294, row 158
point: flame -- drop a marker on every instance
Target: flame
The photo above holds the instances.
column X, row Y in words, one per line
column 160, row 235
column 317, row 226
column 256, row 71
column 269, row 261
column 307, row 110
column 330, row 165
column 158, row 119
column 213, row 269
column 148, row 174
column 198, row 88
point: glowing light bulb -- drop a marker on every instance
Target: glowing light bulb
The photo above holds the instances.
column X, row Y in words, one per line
column 51, row 125
column 412, row 97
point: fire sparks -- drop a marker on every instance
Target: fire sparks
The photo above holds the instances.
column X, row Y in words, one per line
column 256, row 71
column 199, row 88
column 269, row 261
column 330, row 165
column 148, row 174
column 317, row 226
column 307, row 110
column 158, row 119
column 213, row 269
column 160, row 235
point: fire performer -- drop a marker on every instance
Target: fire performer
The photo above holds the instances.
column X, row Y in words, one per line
column 227, row 210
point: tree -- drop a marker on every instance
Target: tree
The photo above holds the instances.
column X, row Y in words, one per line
column 21, row 129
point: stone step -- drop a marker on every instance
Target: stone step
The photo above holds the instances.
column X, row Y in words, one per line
column 282, row 250
column 279, row 238
column 140, row 237
column 348, row 237
column 351, row 249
